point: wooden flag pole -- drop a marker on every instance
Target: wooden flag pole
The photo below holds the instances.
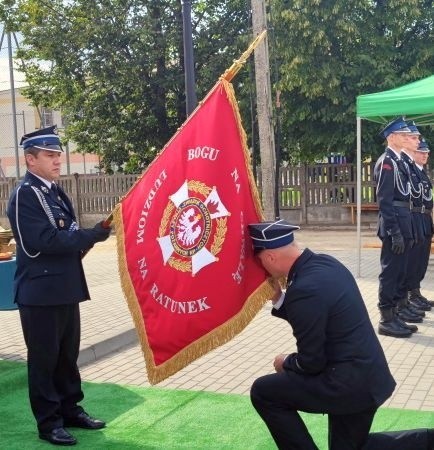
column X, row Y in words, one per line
column 106, row 223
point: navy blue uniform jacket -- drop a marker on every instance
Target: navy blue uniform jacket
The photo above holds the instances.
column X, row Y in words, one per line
column 338, row 352
column 391, row 174
column 49, row 247
column 425, row 185
column 416, row 198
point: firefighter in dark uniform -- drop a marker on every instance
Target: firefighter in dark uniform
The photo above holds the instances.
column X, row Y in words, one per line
column 49, row 284
column 415, row 309
column 394, row 229
column 331, row 372
column 420, row 253
column 328, row 373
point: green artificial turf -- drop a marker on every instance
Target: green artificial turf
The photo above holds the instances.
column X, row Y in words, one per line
column 157, row 418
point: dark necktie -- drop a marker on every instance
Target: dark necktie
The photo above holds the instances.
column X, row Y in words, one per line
column 55, row 191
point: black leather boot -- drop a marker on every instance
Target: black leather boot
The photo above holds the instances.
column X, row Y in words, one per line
column 405, row 314
column 419, row 303
column 408, row 326
column 416, row 293
column 415, row 310
column 389, row 326
column 413, row 307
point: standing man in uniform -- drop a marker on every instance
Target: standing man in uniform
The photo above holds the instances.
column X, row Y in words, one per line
column 420, row 253
column 49, row 284
column 413, row 311
column 394, row 228
column 339, row 368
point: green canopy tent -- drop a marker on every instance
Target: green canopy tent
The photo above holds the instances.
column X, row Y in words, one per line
column 415, row 101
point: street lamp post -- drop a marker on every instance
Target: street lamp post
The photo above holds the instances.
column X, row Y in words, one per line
column 190, row 90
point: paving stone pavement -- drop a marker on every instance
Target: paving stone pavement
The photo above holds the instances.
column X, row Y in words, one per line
column 110, row 352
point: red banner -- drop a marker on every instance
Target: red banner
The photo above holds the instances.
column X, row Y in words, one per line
column 185, row 256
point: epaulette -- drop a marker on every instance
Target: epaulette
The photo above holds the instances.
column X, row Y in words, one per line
column 385, row 157
column 387, row 162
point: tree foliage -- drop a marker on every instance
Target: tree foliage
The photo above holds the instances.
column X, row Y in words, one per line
column 115, row 67
column 331, row 51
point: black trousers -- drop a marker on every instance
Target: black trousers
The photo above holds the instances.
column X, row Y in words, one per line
column 274, row 400
column 417, row 264
column 277, row 400
column 399, row 440
column 426, row 253
column 393, row 274
column 52, row 336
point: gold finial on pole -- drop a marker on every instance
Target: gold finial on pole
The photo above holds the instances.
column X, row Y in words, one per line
column 236, row 66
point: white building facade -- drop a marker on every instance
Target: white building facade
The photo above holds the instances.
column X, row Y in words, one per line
column 27, row 119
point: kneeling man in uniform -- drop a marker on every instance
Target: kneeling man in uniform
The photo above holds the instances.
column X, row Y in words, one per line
column 339, row 368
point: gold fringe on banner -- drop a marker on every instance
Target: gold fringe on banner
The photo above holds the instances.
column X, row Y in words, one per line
column 196, row 349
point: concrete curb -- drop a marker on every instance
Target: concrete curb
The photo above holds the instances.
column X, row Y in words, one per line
column 107, row 346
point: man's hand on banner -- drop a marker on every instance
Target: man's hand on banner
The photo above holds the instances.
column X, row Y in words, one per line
column 102, row 230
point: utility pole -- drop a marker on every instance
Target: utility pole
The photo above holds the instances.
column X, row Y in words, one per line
column 265, row 114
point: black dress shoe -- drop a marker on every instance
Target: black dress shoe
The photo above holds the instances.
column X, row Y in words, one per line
column 58, row 436
column 83, row 420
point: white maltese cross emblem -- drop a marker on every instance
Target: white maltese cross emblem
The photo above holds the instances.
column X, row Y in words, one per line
column 189, row 224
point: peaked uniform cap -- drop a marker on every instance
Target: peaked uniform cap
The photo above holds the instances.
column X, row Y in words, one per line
column 270, row 235
column 44, row 139
column 398, row 125
column 423, row 146
column 413, row 127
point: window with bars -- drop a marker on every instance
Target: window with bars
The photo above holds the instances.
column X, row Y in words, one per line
column 47, row 117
